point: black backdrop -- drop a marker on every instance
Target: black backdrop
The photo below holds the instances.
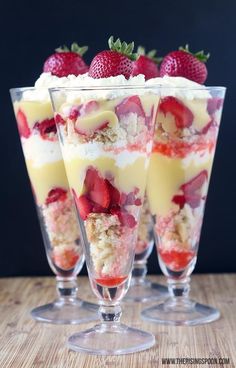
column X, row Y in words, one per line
column 30, row 30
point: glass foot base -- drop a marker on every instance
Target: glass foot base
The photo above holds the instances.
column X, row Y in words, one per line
column 189, row 313
column 70, row 312
column 115, row 339
column 146, row 291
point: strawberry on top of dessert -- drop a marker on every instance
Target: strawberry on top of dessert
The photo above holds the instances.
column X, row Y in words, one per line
column 146, row 64
column 67, row 61
column 182, row 63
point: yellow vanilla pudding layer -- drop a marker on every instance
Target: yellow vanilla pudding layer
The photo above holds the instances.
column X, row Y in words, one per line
column 118, row 150
column 124, row 177
column 168, row 170
column 166, row 175
column 35, row 111
column 43, row 157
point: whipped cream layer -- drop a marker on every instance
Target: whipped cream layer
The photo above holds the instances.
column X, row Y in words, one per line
column 179, row 87
column 93, row 151
column 40, row 151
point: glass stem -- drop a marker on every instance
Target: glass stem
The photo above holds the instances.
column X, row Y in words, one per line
column 179, row 294
column 139, row 272
column 67, row 289
column 110, row 316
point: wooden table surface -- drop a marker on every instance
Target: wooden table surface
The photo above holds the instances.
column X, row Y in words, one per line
column 25, row 343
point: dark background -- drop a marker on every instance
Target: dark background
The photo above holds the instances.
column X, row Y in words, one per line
column 30, row 31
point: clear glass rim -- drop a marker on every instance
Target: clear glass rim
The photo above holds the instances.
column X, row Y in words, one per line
column 133, row 87
column 121, row 87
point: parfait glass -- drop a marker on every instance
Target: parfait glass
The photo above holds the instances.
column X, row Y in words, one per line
column 54, row 204
column 106, row 137
column 184, row 146
column 141, row 289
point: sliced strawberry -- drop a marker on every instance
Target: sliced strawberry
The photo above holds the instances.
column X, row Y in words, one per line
column 96, row 188
column 46, row 127
column 130, row 105
column 130, row 199
column 214, row 104
column 84, row 206
column 99, row 209
column 114, row 194
column 23, row 127
column 207, row 127
column 89, row 107
column 195, row 183
column 127, row 219
column 56, row 194
column 138, row 202
column 179, row 200
column 59, row 120
column 183, row 116
column 74, row 112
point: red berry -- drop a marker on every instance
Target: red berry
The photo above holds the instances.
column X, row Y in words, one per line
column 46, row 127
column 182, row 63
column 65, row 61
column 146, row 66
column 191, row 194
column 59, row 120
column 214, row 104
column 110, row 64
column 114, row 194
column 179, row 199
column 183, row 116
column 56, row 194
column 195, row 183
column 22, row 123
column 97, row 189
column 83, row 205
column 63, row 64
column 130, row 105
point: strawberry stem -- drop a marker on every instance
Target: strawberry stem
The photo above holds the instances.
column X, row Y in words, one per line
column 151, row 54
column 122, row 47
column 199, row 55
column 74, row 48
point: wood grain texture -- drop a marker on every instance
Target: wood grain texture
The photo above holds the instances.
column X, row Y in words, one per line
column 28, row 344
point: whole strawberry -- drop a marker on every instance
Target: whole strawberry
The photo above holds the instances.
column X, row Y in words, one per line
column 146, row 64
column 113, row 62
column 66, row 61
column 183, row 63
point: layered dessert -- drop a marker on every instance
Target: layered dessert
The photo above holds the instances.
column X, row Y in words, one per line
column 106, row 137
column 185, row 139
column 44, row 161
column 46, row 171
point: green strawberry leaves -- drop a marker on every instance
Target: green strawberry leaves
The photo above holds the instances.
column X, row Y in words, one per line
column 74, row 48
column 151, row 54
column 199, row 55
column 122, row 47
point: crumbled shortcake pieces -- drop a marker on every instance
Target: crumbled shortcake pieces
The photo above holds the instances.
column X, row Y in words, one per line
column 108, row 245
column 61, row 222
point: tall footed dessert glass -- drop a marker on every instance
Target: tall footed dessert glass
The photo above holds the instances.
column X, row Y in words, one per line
column 56, row 212
column 141, row 289
column 185, row 140
column 106, row 139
